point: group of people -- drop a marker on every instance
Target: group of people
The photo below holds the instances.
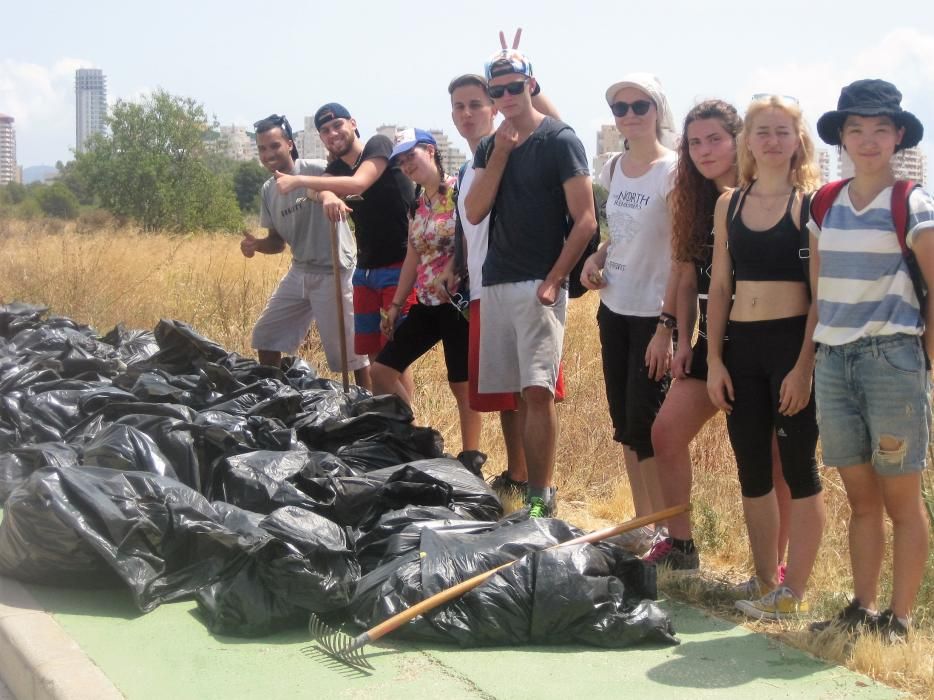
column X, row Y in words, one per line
column 794, row 307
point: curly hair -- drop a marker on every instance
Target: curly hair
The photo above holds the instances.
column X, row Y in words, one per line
column 694, row 196
column 805, row 175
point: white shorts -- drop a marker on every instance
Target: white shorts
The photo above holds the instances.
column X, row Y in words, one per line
column 520, row 339
column 303, row 297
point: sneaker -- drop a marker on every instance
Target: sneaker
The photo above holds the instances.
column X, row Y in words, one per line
column 473, row 460
column 505, row 485
column 853, row 618
column 664, row 553
column 890, row 628
column 752, row 589
column 538, row 508
column 776, row 605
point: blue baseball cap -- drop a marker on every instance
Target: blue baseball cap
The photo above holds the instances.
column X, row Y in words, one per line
column 407, row 139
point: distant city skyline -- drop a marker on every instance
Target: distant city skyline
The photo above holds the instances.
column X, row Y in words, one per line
column 388, row 66
column 9, row 172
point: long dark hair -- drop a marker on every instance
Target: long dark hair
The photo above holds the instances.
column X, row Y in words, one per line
column 442, row 187
column 694, row 196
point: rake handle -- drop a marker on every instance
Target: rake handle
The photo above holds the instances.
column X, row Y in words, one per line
column 463, row 587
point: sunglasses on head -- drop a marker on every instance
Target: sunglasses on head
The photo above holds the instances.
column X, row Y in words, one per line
column 514, row 88
column 276, row 120
column 639, row 107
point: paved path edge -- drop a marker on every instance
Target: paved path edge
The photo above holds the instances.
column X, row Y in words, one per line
column 38, row 660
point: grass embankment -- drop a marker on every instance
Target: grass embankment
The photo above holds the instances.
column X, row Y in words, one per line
column 122, row 275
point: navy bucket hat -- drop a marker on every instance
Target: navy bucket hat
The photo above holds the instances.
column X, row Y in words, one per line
column 870, row 98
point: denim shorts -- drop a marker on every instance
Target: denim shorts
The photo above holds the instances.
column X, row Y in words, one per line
column 870, row 389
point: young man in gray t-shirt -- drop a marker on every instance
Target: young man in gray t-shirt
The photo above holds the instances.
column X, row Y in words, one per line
column 307, row 292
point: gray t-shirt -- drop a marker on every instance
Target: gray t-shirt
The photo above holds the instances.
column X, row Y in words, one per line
column 530, row 221
column 303, row 223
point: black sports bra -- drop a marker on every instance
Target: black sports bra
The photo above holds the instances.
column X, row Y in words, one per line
column 764, row 256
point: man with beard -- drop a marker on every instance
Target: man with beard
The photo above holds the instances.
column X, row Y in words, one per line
column 381, row 218
column 306, row 293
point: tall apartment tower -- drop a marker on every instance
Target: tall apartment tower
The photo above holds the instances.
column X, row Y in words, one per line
column 8, row 170
column 90, row 105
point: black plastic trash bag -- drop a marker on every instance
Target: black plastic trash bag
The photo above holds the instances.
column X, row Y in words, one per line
column 306, row 565
column 594, row 594
column 14, row 316
column 161, row 538
column 131, row 346
column 18, row 464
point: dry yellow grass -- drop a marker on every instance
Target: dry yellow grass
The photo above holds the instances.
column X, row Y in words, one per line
column 113, row 276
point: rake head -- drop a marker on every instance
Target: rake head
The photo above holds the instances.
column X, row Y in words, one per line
column 338, row 647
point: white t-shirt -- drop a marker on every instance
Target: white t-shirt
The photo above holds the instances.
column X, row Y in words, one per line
column 477, row 236
column 638, row 259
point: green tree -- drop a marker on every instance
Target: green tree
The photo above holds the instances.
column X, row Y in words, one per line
column 151, row 167
column 600, row 196
column 247, row 181
column 58, row 201
column 70, row 176
column 15, row 192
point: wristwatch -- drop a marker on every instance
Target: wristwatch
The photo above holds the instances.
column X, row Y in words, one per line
column 667, row 320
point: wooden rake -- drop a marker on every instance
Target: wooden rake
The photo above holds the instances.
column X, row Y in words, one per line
column 347, row 651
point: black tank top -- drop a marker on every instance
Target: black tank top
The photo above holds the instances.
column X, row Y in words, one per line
column 765, row 256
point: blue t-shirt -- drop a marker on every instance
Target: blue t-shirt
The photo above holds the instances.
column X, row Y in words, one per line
column 530, row 221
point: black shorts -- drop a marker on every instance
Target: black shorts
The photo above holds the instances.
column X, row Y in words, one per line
column 420, row 332
column 634, row 398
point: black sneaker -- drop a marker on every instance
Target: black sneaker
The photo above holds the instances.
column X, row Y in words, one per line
column 504, row 485
column 473, row 460
column 852, row 618
column 890, row 628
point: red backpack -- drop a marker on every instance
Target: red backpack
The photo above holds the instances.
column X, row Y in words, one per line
column 824, row 198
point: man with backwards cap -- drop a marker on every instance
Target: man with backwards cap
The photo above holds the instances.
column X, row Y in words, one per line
column 306, row 292
column 532, row 174
column 380, row 219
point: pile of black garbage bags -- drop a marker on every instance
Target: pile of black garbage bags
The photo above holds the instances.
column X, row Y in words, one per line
column 161, row 462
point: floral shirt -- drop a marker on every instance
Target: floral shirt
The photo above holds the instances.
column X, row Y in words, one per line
column 431, row 232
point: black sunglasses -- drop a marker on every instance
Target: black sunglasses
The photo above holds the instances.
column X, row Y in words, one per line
column 497, row 91
column 639, row 107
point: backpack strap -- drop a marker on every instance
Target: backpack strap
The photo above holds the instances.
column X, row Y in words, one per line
column 804, row 240
column 901, row 193
column 823, row 199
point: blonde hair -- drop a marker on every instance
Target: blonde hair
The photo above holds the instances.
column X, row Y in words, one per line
column 805, row 174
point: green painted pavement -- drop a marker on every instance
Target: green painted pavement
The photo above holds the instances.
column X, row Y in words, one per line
column 170, row 654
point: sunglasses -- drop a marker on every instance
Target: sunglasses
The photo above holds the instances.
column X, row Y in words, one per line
column 276, row 120
column 639, row 107
column 515, row 88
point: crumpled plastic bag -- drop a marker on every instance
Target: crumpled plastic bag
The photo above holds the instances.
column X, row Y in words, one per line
column 166, row 541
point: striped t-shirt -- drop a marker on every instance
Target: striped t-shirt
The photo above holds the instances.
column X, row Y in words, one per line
column 864, row 288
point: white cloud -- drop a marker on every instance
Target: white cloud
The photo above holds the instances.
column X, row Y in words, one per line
column 41, row 100
column 904, row 57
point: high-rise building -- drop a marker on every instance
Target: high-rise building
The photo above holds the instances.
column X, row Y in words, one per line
column 236, row 143
column 451, row 158
column 609, row 141
column 823, row 162
column 90, row 105
column 8, row 169
column 310, row 145
column 909, row 164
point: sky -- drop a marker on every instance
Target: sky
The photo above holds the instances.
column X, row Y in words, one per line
column 390, row 62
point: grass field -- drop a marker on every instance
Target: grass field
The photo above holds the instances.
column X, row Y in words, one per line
column 122, row 275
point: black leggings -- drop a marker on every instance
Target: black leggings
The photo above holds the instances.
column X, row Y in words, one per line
column 758, row 355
